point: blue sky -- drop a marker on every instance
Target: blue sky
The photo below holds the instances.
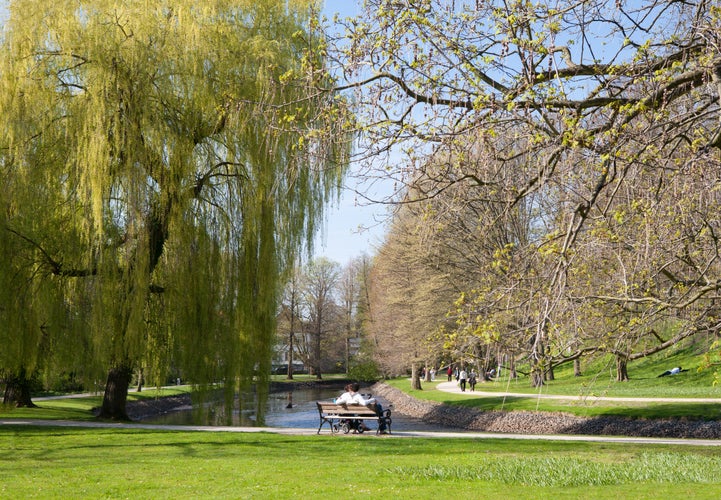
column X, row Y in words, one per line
column 353, row 226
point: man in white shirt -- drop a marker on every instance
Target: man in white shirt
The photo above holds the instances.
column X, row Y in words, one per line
column 353, row 397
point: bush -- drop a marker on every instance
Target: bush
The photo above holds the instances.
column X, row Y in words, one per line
column 65, row 383
column 365, row 370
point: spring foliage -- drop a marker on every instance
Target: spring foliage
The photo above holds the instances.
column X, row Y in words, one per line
column 162, row 163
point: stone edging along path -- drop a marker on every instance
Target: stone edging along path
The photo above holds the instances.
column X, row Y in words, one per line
column 529, row 422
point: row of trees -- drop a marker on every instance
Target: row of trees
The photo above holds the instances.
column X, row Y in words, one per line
column 558, row 173
column 324, row 315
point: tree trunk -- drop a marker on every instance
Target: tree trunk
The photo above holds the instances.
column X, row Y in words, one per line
column 17, row 391
column 482, row 373
column 550, row 374
column 141, row 380
column 537, row 375
column 621, row 369
column 316, row 355
column 415, row 378
column 291, row 339
column 576, row 367
column 512, row 374
column 116, row 393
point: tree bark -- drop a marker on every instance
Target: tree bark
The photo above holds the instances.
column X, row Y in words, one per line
column 550, row 374
column 116, row 393
column 621, row 368
column 415, row 378
column 537, row 375
column 291, row 347
column 17, row 391
column 512, row 367
column 141, row 379
column 576, row 367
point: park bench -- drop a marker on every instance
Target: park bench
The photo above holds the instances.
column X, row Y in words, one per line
column 344, row 418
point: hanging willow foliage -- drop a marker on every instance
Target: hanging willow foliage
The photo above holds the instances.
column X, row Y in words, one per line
column 164, row 162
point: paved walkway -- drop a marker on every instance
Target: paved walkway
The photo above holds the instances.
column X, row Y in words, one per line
column 455, row 388
column 396, row 434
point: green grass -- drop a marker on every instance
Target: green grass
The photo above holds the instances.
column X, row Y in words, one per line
column 80, row 408
column 61, row 462
column 598, row 379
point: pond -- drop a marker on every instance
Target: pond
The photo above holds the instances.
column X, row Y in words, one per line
column 290, row 409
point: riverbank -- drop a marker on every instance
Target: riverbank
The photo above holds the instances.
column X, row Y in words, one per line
column 527, row 422
column 148, row 408
column 469, row 419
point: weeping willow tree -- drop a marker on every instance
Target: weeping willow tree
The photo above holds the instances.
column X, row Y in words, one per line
column 188, row 150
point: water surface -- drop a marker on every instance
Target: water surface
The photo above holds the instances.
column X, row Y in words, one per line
column 290, row 409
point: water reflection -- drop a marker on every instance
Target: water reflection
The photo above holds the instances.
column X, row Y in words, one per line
column 290, row 409
column 296, row 409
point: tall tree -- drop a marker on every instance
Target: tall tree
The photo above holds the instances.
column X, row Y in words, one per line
column 410, row 296
column 188, row 153
column 348, row 291
column 570, row 105
column 320, row 287
column 290, row 316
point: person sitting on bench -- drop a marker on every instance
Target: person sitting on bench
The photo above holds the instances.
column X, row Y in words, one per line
column 673, row 371
column 353, row 397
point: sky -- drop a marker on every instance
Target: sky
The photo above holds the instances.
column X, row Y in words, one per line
column 353, row 226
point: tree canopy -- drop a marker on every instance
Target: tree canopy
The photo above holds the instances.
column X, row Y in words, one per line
column 162, row 165
column 577, row 143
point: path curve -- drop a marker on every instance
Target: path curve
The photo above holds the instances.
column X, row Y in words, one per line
column 454, row 388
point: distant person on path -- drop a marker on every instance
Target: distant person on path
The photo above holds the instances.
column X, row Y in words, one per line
column 673, row 371
column 450, row 373
column 433, row 374
column 462, row 376
column 472, row 380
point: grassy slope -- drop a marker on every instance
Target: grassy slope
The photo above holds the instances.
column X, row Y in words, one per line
column 598, row 379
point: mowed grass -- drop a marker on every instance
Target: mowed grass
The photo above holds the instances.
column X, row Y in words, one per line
column 64, row 462
column 57, row 462
column 81, row 407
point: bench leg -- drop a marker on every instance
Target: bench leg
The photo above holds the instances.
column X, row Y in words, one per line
column 323, row 420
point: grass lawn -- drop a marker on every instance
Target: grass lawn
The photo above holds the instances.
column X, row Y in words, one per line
column 80, row 408
column 61, row 462
column 598, row 380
